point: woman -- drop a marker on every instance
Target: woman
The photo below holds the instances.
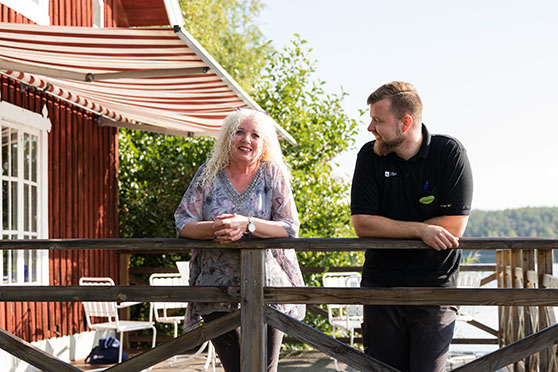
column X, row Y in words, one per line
column 242, row 191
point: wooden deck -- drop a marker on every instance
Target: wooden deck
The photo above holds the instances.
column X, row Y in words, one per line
column 299, row 361
column 290, row 361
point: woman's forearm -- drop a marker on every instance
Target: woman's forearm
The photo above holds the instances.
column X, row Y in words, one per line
column 269, row 229
column 203, row 230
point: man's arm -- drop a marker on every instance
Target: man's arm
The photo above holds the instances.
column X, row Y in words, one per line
column 439, row 233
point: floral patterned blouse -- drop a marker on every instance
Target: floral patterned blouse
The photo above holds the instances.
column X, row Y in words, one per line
column 268, row 197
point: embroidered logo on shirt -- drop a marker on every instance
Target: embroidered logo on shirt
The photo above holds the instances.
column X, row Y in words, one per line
column 390, row 174
column 427, row 199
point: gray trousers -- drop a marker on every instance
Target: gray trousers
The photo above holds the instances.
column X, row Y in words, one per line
column 409, row 338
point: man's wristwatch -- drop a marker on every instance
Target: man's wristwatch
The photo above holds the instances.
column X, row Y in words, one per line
column 251, row 227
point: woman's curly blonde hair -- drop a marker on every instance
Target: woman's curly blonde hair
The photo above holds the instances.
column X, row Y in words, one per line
column 220, row 156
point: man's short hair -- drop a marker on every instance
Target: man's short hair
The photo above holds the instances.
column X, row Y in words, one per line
column 404, row 99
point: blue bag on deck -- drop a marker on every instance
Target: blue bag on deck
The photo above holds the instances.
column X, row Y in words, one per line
column 106, row 352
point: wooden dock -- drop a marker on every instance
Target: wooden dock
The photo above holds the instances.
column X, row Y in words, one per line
column 290, row 361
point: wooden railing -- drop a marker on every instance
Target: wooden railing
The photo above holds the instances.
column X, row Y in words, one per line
column 138, row 276
column 253, row 297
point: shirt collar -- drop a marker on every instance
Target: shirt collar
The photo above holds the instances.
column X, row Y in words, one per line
column 425, row 146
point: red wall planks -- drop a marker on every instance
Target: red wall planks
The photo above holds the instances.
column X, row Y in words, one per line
column 83, row 187
column 82, row 204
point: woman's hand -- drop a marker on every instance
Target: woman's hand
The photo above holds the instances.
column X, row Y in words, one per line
column 230, row 227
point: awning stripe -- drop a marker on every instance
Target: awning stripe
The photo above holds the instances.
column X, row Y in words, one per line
column 59, row 60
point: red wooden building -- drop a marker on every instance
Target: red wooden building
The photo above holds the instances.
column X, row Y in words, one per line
column 63, row 94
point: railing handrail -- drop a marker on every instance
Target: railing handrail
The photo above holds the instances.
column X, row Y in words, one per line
column 252, row 294
column 153, row 245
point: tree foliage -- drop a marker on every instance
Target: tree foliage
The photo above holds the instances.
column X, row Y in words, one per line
column 154, row 170
column 510, row 223
column 291, row 94
column 228, row 30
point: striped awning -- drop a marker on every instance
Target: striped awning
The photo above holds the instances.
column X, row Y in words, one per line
column 154, row 79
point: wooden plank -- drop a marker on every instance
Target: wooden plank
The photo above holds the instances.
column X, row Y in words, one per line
column 483, row 327
column 488, row 279
column 324, row 343
column 181, row 344
column 517, row 311
column 317, row 310
column 513, row 352
column 335, row 269
column 529, row 311
column 412, row 296
column 289, row 295
column 121, row 294
column 474, row 341
column 544, row 266
column 253, row 330
column 36, row 357
column 302, row 244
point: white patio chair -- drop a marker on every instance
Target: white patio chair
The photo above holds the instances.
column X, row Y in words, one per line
column 108, row 313
column 344, row 317
column 165, row 312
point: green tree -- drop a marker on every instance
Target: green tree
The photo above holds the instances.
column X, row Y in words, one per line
column 228, row 30
column 510, row 223
column 291, row 94
column 156, row 169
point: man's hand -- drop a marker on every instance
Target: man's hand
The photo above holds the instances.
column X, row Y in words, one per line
column 438, row 238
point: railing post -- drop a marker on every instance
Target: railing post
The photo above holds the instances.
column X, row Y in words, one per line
column 517, row 311
column 529, row 325
column 252, row 328
column 501, row 280
column 546, row 317
column 124, row 279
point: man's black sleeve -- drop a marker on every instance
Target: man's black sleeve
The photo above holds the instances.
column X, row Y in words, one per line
column 457, row 194
column 364, row 190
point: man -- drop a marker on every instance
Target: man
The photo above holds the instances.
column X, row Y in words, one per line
column 409, row 184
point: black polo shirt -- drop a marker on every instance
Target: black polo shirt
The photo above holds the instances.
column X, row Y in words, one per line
column 437, row 181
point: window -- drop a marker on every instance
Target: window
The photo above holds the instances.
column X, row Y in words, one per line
column 24, row 208
column 35, row 10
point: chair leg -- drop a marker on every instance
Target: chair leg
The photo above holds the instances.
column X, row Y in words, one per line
column 154, row 336
column 335, row 360
column 210, row 357
column 121, row 346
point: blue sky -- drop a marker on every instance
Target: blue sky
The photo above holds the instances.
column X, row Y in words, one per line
column 487, row 72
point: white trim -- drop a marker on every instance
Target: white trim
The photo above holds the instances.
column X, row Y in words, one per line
column 174, row 13
column 25, row 117
column 36, row 125
column 42, row 217
column 98, row 13
column 38, row 13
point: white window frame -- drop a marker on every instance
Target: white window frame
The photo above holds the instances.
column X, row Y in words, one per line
column 35, row 10
column 98, row 13
column 35, row 124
